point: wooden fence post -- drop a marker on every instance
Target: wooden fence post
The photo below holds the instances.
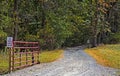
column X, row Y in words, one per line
column 9, row 50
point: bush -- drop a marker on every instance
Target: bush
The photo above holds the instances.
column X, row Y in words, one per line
column 115, row 38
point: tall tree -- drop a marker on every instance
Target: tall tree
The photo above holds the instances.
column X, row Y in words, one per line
column 15, row 17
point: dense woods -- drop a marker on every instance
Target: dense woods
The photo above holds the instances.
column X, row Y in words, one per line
column 58, row 23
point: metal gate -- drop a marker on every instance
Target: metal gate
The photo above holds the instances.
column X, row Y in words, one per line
column 23, row 54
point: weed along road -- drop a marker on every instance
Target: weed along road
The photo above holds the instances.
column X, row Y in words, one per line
column 74, row 63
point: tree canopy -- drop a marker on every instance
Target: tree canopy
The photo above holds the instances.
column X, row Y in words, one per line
column 58, row 23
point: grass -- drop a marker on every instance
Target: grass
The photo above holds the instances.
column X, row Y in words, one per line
column 45, row 57
column 3, row 63
column 49, row 56
column 107, row 55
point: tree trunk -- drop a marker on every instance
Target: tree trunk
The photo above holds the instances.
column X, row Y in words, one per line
column 94, row 41
column 15, row 13
column 43, row 14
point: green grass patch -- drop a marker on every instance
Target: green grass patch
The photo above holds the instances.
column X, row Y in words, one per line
column 108, row 55
column 45, row 57
column 49, row 56
column 4, row 63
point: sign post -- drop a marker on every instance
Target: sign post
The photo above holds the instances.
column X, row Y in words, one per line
column 88, row 43
column 9, row 42
column 9, row 46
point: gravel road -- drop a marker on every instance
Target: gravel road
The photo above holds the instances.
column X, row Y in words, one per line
column 74, row 63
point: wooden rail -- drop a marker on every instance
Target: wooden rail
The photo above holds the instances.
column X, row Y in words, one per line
column 23, row 54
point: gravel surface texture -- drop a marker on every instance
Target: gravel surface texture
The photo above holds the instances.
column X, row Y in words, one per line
column 74, row 63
